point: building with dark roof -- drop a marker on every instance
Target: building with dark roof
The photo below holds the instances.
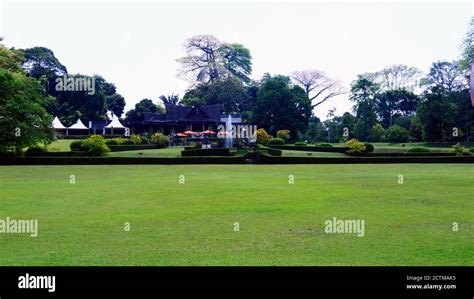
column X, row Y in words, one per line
column 182, row 118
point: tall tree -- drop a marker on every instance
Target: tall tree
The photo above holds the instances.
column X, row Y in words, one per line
column 394, row 103
column 208, row 59
column 172, row 99
column 281, row 106
column 317, row 86
column 467, row 48
column 445, row 77
column 145, row 105
column 24, row 121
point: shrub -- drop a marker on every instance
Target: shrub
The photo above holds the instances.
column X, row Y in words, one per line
column 324, row 145
column 418, row 150
column 127, row 141
column 262, row 136
column 397, row 134
column 300, row 143
column 36, row 149
column 355, row 146
column 160, row 140
column 369, row 148
column 458, row 149
column 95, row 144
column 276, row 141
column 145, row 140
column 471, row 150
column 76, row 145
column 112, row 141
column 283, row 134
column 136, row 138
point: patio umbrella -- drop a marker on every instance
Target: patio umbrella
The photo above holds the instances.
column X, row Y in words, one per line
column 181, row 135
column 189, row 132
column 209, row 132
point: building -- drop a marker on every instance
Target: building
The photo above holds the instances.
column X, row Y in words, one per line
column 182, row 118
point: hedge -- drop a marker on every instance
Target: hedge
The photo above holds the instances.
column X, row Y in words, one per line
column 311, row 148
column 238, row 159
column 59, row 154
column 269, row 150
column 263, row 158
column 408, row 154
column 121, row 148
column 85, row 136
column 206, row 152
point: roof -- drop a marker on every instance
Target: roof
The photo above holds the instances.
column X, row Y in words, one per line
column 56, row 124
column 79, row 125
column 115, row 123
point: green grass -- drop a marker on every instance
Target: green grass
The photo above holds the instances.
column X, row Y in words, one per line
column 280, row 224
column 170, row 152
column 60, row 145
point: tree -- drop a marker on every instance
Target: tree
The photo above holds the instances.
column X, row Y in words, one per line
column 208, row 59
column 318, row 87
column 24, row 121
column 399, row 76
column 281, row 105
column 394, row 103
column 445, row 77
column 229, row 92
column 172, row 99
column 437, row 116
column 145, row 105
column 467, row 48
column 397, row 134
column 363, row 93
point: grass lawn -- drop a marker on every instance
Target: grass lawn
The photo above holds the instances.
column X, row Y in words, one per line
column 280, row 223
column 60, row 145
column 170, row 152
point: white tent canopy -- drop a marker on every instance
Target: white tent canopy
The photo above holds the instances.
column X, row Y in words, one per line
column 79, row 125
column 115, row 123
column 56, row 124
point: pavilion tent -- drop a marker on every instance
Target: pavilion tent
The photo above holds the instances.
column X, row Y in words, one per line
column 114, row 124
column 79, row 125
column 57, row 125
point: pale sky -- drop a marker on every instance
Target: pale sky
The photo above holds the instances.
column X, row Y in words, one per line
column 135, row 44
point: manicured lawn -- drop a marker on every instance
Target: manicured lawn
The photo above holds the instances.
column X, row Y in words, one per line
column 280, row 223
column 60, row 145
column 170, row 152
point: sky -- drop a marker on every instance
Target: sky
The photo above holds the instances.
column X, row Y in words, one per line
column 135, row 44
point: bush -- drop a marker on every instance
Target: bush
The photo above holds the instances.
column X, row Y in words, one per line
column 112, row 141
column 145, row 140
column 160, row 140
column 324, row 145
column 276, row 141
column 36, row 149
column 397, row 134
column 95, row 144
column 136, row 138
column 355, row 146
column 127, row 141
column 418, row 150
column 193, row 146
column 269, row 150
column 458, row 149
column 283, row 134
column 300, row 143
column 262, row 136
column 471, row 150
column 369, row 148
column 76, row 145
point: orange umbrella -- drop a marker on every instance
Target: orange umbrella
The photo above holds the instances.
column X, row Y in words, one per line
column 189, row 132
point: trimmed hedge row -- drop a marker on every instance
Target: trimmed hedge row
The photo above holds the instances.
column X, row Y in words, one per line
column 263, row 158
column 206, row 152
column 311, row 148
column 409, row 154
column 269, row 150
column 121, row 148
column 238, row 159
column 59, row 154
